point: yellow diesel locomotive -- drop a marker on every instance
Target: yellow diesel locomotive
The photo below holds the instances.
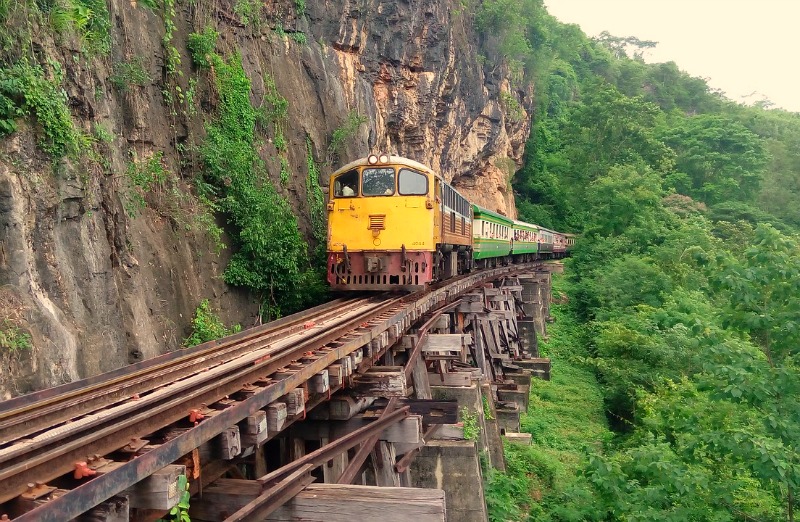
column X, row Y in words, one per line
column 394, row 224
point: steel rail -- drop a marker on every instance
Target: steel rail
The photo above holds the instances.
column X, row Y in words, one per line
column 48, row 458
column 37, row 415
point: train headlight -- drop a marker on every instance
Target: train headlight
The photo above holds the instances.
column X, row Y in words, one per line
column 372, row 159
column 384, row 158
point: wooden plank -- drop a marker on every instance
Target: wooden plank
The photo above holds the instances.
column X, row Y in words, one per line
column 339, row 503
column 295, row 402
column 446, row 341
column 335, row 375
column 320, row 382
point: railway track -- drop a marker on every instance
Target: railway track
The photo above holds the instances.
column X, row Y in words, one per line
column 30, row 414
column 104, row 416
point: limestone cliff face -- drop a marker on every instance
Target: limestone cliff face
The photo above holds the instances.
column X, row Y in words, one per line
column 99, row 287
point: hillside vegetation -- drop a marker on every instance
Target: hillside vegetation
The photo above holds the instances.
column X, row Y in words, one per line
column 684, row 287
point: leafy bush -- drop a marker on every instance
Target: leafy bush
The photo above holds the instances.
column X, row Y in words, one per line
column 207, row 326
column 13, row 338
column 129, row 73
column 25, row 89
column 201, row 46
column 143, row 176
column 343, row 133
column 469, row 420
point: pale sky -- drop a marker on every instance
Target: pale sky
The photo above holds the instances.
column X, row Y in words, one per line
column 738, row 46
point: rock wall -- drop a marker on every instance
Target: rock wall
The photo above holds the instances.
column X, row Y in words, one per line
column 98, row 287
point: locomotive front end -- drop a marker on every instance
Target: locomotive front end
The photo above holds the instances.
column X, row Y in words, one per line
column 381, row 225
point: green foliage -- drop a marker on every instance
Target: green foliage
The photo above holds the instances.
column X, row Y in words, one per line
column 207, row 326
column 469, row 420
column 722, row 160
column 487, row 409
column 762, row 290
column 299, row 37
column 300, row 5
column 513, row 108
column 314, row 196
column 285, row 171
column 271, row 257
column 343, row 133
column 29, row 89
column 690, row 298
column 144, row 176
column 13, row 338
column 88, row 18
column 249, row 12
column 201, row 46
column 129, row 73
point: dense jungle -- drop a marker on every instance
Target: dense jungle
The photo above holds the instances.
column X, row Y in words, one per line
column 675, row 388
column 162, row 182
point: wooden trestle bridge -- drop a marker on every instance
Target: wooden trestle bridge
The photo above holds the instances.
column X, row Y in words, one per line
column 308, row 414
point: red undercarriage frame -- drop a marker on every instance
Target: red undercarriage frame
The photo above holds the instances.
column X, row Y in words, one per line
column 376, row 270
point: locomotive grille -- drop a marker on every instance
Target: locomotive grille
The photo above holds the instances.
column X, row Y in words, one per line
column 376, row 222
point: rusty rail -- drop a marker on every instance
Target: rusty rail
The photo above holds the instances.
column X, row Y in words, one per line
column 29, row 414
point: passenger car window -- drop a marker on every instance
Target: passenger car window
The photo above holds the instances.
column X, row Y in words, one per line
column 346, row 185
column 412, row 183
column 377, row 182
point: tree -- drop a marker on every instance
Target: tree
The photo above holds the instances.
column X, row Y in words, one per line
column 723, row 160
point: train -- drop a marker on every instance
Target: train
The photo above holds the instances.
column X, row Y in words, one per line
column 396, row 225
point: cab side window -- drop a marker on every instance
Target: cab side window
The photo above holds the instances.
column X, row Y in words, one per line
column 346, row 185
column 412, row 183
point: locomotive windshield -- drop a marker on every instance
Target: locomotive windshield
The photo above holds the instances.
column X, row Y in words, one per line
column 346, row 185
column 377, row 181
column 412, row 183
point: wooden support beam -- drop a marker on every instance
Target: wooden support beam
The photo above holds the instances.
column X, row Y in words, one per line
column 383, row 460
column 276, row 416
column 344, row 407
column 381, row 381
column 408, row 430
column 433, row 412
column 158, row 491
column 229, row 443
column 342, row 503
column 333, row 469
column 420, row 381
column 253, row 429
